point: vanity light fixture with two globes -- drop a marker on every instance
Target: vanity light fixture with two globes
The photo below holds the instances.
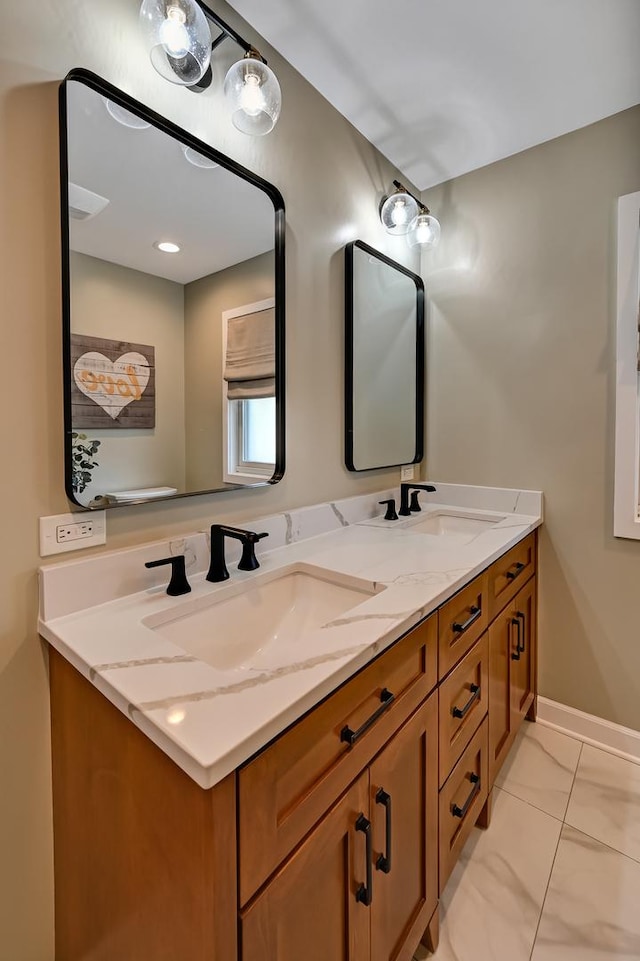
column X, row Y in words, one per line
column 179, row 40
column 403, row 214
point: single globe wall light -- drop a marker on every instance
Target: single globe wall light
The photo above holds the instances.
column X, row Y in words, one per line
column 253, row 94
column 398, row 211
column 179, row 39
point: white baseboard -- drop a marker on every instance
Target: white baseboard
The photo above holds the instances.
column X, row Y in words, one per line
column 606, row 735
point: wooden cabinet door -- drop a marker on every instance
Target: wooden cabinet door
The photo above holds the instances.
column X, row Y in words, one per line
column 403, row 800
column 502, row 650
column 313, row 908
column 523, row 665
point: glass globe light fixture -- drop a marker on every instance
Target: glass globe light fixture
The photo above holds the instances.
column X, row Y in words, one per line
column 398, row 212
column 424, row 230
column 179, row 39
column 253, row 94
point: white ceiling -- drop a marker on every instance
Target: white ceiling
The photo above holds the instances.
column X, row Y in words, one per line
column 155, row 194
column 443, row 87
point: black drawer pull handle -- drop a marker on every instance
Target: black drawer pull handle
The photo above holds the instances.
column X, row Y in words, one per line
column 522, row 616
column 475, row 612
column 383, row 862
column 511, row 575
column 475, row 696
column 364, row 894
column 515, row 655
column 351, row 736
column 475, row 790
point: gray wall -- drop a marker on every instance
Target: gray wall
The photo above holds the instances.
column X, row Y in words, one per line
column 332, row 181
column 521, row 388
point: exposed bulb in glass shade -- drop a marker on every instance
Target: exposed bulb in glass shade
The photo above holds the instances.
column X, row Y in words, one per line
column 253, row 93
column 424, row 231
column 398, row 211
column 179, row 39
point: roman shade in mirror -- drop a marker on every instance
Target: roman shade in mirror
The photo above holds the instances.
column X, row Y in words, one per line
column 250, row 361
column 384, row 361
column 163, row 240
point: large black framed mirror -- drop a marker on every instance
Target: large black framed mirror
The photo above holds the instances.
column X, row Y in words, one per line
column 173, row 308
column 384, row 361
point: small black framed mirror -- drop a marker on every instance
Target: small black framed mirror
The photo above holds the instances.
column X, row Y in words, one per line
column 173, row 308
column 384, row 361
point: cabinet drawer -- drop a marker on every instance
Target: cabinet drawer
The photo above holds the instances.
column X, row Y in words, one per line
column 461, row 621
column 461, row 800
column 464, row 699
column 284, row 791
column 510, row 573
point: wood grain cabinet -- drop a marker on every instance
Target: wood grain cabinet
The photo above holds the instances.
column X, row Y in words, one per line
column 363, row 883
column 512, row 668
column 333, row 842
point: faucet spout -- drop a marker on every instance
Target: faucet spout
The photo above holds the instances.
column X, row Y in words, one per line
column 405, row 489
column 248, row 562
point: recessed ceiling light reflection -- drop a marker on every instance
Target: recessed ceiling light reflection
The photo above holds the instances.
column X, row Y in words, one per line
column 176, row 715
column 167, row 247
column 198, row 159
column 125, row 117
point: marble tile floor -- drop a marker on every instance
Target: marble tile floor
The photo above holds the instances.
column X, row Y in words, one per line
column 557, row 875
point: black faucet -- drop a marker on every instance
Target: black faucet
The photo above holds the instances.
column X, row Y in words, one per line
column 248, row 562
column 178, row 584
column 391, row 509
column 405, row 509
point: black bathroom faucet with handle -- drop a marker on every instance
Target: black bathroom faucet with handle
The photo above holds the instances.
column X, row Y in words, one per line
column 405, row 508
column 248, row 562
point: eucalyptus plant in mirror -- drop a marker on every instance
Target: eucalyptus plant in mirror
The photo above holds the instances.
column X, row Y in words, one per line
column 173, row 307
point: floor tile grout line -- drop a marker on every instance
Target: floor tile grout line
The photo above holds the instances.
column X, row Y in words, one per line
column 530, row 803
column 546, row 892
column 573, row 784
column 555, row 855
column 604, row 844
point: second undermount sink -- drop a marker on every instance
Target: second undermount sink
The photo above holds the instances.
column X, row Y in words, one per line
column 245, row 624
column 462, row 525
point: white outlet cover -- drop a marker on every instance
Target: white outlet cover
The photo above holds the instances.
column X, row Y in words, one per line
column 49, row 543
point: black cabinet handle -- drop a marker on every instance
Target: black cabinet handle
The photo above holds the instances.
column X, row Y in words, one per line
column 383, row 862
column 458, row 812
column 475, row 696
column 475, row 613
column 351, row 736
column 515, row 655
column 364, row 894
column 523, row 617
column 511, row 575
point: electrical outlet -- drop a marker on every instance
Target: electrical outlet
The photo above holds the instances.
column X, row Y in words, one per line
column 407, row 473
column 72, row 532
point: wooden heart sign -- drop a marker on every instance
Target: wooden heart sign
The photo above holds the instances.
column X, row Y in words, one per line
column 112, row 384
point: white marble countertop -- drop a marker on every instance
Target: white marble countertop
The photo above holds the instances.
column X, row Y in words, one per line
column 209, row 720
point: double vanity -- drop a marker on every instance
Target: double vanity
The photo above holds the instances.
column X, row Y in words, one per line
column 288, row 763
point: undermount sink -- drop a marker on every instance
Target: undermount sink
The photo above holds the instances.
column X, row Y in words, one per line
column 230, row 630
column 461, row 525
